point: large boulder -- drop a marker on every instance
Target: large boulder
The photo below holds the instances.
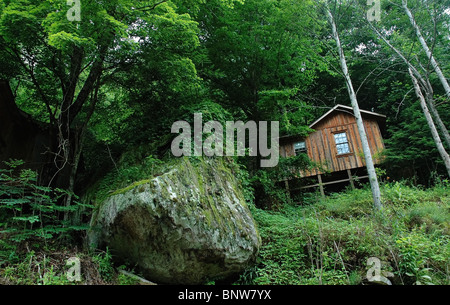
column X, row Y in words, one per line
column 186, row 226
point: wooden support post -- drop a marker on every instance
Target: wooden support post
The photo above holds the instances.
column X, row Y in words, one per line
column 322, row 192
column 288, row 192
column 286, row 184
column 326, row 183
column 350, row 177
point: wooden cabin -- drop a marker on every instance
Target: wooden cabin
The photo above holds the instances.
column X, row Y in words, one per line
column 335, row 146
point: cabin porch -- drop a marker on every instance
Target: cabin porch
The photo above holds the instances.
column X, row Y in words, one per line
column 330, row 182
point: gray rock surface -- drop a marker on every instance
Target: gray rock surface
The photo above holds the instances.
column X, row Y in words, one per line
column 186, row 226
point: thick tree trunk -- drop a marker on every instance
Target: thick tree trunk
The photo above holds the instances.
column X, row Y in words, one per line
column 434, row 133
column 376, row 194
column 78, row 146
column 71, row 106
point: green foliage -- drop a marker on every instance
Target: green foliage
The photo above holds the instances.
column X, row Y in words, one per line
column 29, row 211
column 123, row 279
column 49, row 267
column 348, row 205
column 330, row 242
column 211, row 111
column 243, row 176
column 414, row 251
column 35, row 270
column 135, row 165
column 105, row 265
column 144, row 67
column 260, row 57
column 270, row 192
column 285, row 107
column 411, row 151
column 431, row 214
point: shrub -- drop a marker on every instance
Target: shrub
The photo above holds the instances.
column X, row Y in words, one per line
column 105, row 265
column 349, row 204
column 424, row 258
column 329, row 242
column 398, row 193
column 432, row 215
column 29, row 211
column 37, row 268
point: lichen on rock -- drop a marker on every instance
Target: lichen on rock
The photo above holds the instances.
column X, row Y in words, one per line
column 185, row 226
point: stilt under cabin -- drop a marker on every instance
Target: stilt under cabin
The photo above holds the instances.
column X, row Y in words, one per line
column 335, row 146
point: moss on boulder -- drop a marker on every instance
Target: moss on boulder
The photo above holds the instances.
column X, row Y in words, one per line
column 186, row 226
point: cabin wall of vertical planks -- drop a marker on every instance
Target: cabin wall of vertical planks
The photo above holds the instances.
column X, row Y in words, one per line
column 321, row 146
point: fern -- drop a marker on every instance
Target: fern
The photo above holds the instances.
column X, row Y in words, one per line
column 30, row 211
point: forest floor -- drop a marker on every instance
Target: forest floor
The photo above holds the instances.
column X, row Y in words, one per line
column 341, row 240
column 338, row 240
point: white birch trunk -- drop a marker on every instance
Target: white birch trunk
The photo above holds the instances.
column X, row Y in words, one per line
column 376, row 194
column 425, row 84
column 445, row 156
column 438, row 120
column 427, row 50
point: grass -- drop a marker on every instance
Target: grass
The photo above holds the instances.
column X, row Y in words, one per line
column 330, row 241
column 50, row 267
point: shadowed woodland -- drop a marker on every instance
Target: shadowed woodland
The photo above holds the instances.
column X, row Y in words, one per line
column 86, row 109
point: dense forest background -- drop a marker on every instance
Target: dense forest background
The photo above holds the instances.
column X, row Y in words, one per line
column 111, row 85
column 123, row 78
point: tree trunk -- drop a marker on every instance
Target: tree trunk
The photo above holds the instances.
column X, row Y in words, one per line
column 434, row 132
column 436, row 68
column 376, row 194
column 427, row 50
column 425, row 84
column 78, row 146
column 437, row 119
column 73, row 172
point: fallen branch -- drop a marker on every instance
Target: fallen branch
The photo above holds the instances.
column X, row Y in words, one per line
column 141, row 280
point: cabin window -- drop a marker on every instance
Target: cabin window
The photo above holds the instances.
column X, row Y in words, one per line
column 299, row 147
column 342, row 145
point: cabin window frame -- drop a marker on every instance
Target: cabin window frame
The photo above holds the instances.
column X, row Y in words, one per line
column 303, row 150
column 340, row 144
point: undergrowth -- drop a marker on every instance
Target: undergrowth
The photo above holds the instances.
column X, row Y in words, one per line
column 125, row 173
column 30, row 213
column 51, row 267
column 36, row 231
column 325, row 241
column 331, row 240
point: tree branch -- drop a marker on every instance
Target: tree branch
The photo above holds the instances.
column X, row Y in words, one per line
column 150, row 7
column 36, row 84
column 94, row 74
